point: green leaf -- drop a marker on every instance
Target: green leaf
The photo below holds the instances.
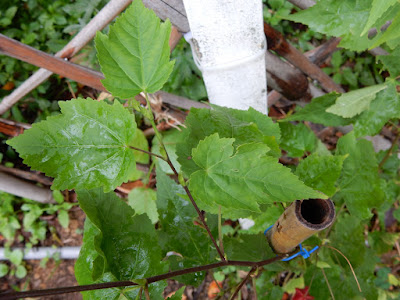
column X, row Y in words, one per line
column 20, row 272
column 386, row 106
column 392, row 33
column 248, row 247
column 84, row 147
column 63, row 218
column 242, row 180
column 390, row 62
column 359, row 182
column 143, row 201
column 140, row 141
column 3, row 270
column 316, row 112
column 178, row 294
column 58, row 196
column 345, row 19
column 323, row 265
column 341, row 280
column 297, row 139
column 89, row 260
column 15, row 256
column 377, row 10
column 170, row 139
column 291, row 286
column 178, row 232
column 33, row 212
column 355, row 102
column 244, row 126
column 266, row 218
column 134, row 56
column 128, row 241
column 382, row 242
column 320, row 172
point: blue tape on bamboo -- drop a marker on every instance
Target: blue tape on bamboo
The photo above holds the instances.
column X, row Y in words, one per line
column 303, row 252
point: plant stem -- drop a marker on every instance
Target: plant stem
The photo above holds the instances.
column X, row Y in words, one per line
column 147, row 152
column 221, row 245
column 168, row 160
column 105, row 285
column 253, row 269
column 389, row 153
column 146, row 292
column 253, row 281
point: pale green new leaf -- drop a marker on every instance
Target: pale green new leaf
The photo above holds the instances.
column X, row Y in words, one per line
column 86, row 146
column 134, row 56
column 359, row 182
column 321, row 172
column 378, row 8
column 386, row 106
column 316, row 112
column 143, row 201
column 355, row 102
column 392, row 33
column 244, row 179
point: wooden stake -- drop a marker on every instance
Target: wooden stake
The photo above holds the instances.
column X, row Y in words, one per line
column 299, row 221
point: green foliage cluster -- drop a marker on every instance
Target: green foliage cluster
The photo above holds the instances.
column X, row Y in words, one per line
column 45, row 25
column 229, row 161
column 186, row 79
column 11, row 209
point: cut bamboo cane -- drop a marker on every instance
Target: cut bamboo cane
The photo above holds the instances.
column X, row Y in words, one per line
column 299, row 221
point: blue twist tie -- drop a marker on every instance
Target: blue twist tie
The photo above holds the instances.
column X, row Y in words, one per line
column 303, row 252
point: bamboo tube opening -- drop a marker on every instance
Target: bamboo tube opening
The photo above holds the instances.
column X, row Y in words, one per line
column 315, row 211
column 298, row 222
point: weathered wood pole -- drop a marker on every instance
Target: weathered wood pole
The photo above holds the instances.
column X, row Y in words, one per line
column 299, row 221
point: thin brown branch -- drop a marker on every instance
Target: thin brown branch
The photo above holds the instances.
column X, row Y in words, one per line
column 147, row 152
column 105, row 285
column 203, row 221
column 253, row 269
column 146, row 292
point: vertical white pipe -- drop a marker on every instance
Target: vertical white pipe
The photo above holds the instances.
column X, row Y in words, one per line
column 229, row 45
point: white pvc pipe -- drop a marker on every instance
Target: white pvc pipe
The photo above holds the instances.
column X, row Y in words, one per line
column 43, row 252
column 228, row 45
